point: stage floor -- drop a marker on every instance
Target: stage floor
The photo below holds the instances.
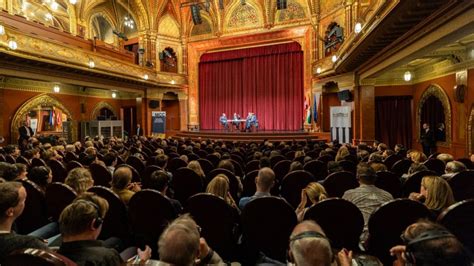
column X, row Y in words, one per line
column 253, row 136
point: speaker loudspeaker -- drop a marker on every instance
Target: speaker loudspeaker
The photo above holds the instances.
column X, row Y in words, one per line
column 281, row 4
column 345, row 95
column 154, row 104
column 196, row 15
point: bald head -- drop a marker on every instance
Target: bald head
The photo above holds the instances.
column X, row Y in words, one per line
column 121, row 178
column 265, row 179
column 309, row 245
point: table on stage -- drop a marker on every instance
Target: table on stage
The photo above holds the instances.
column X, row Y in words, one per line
column 240, row 124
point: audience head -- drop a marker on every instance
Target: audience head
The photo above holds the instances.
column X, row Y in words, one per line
column 437, row 192
column 417, row 167
column 294, row 166
column 83, row 217
column 265, row 179
column 110, row 159
column 9, row 171
column 417, row 156
column 226, row 164
column 445, row 157
column 334, row 167
column 315, row 192
column 196, row 167
column 454, row 167
column 161, row 160
column 41, row 175
column 264, row 162
column 375, row 158
column 342, row 153
column 219, row 186
column 428, row 243
column 309, row 245
column 158, row 180
column 22, row 171
column 179, row 243
column 12, row 201
column 366, row 174
column 79, row 179
column 121, row 178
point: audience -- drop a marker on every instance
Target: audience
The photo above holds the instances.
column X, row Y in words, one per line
column 12, row 203
column 436, row 194
column 159, row 181
column 452, row 168
column 41, row 176
column 264, row 182
column 219, row 186
column 79, row 179
column 122, row 185
column 315, row 192
column 196, row 167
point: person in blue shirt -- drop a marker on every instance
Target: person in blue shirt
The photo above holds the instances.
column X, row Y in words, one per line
column 236, row 122
column 223, row 120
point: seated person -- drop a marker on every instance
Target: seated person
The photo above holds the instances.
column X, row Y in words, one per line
column 236, row 119
column 80, row 224
column 12, row 203
column 251, row 120
column 223, row 120
column 435, row 193
column 452, row 168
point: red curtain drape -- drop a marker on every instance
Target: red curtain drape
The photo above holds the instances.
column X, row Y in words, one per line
column 393, row 120
column 267, row 81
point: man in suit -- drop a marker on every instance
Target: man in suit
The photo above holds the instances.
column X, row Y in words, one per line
column 25, row 132
column 139, row 130
column 236, row 123
column 223, row 120
column 427, row 139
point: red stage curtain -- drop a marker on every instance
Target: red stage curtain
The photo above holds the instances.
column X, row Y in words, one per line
column 393, row 120
column 267, row 81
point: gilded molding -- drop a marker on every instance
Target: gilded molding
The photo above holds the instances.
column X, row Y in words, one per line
column 436, row 91
column 101, row 105
column 33, row 103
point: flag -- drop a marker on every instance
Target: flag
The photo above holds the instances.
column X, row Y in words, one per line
column 59, row 118
column 307, row 110
column 51, row 117
column 315, row 107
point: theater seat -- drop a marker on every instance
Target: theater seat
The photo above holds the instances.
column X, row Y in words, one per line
column 293, row 183
column 100, row 174
column 36, row 257
column 186, row 183
column 459, row 219
column 58, row 196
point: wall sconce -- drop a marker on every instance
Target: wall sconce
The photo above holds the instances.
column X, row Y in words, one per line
column 12, row 43
column 91, row 63
column 145, row 77
column 2, row 29
column 334, row 58
column 407, row 76
column 358, row 27
column 319, row 70
column 56, row 88
column 114, row 95
column 173, row 82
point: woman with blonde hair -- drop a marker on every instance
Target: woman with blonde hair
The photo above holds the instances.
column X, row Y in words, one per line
column 79, row 179
column 436, row 194
column 315, row 192
column 196, row 167
column 417, row 156
column 219, row 186
column 342, row 153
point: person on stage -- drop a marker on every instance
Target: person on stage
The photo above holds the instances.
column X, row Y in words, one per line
column 236, row 120
column 251, row 121
column 223, row 120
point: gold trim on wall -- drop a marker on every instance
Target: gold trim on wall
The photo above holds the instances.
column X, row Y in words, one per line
column 438, row 92
column 40, row 100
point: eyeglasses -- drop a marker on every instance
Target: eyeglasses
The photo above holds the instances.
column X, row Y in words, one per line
column 198, row 228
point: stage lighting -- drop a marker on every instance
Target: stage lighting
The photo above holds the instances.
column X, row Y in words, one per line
column 281, row 4
column 196, row 15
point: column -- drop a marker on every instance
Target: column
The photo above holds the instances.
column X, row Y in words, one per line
column 365, row 114
column 183, row 111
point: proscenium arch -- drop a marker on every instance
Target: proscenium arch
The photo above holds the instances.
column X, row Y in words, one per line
column 99, row 106
column 40, row 100
column 436, row 91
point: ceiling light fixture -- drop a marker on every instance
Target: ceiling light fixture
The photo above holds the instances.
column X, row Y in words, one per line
column 319, row 70
column 334, row 58
column 407, row 76
column 128, row 21
column 73, row 2
column 12, row 43
column 2, row 29
column 54, row 5
column 91, row 63
column 114, row 94
column 358, row 27
column 56, row 88
column 145, row 77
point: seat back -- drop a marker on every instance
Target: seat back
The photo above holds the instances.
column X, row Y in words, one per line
column 348, row 166
column 149, row 213
column 401, row 167
column 193, row 157
column 389, row 182
column 391, row 160
column 115, row 221
column 249, row 184
column 237, row 168
column 10, row 159
column 35, row 213
column 340, row 219
column 185, row 183
column 101, row 175
column 462, row 185
column 58, row 196
column 293, row 183
column 136, row 163
column 413, row 183
column 149, row 170
column 233, row 182
column 281, row 168
column 388, row 222
column 435, row 165
column 339, row 182
column 175, row 163
column 23, row 160
column 252, row 165
column 267, row 223
column 73, row 164
column 213, row 159
column 275, row 159
column 70, row 156
column 466, row 161
column 317, row 168
column 459, row 220
column 36, row 257
column 219, row 223
column 35, row 162
column 206, row 166
column 202, row 153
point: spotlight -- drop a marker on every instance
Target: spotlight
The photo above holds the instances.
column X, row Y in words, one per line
column 145, row 77
column 54, row 5
column 281, row 4
column 196, row 15
column 56, row 88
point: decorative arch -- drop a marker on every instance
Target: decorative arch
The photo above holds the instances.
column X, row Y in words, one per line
column 470, row 134
column 40, row 100
column 106, row 15
column 294, row 11
column 168, row 26
column 202, row 29
column 99, row 106
column 243, row 16
column 436, row 91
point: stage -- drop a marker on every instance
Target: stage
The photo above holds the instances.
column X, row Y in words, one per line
column 253, row 136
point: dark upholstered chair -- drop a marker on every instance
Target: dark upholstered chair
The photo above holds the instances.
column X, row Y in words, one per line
column 317, row 168
column 340, row 219
column 36, row 257
column 459, row 219
column 252, row 165
column 219, row 223
column 249, row 184
column 35, row 212
column 73, row 164
column 339, row 182
column 175, row 163
column 391, row 160
column 267, row 223
column 275, row 159
column 293, row 183
column 136, row 163
column 101, row 175
column 206, row 166
column 281, row 168
column 388, row 222
column 185, row 183
column 389, row 182
column 462, row 185
column 58, row 196
column 413, row 183
column 401, row 167
column 435, row 165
